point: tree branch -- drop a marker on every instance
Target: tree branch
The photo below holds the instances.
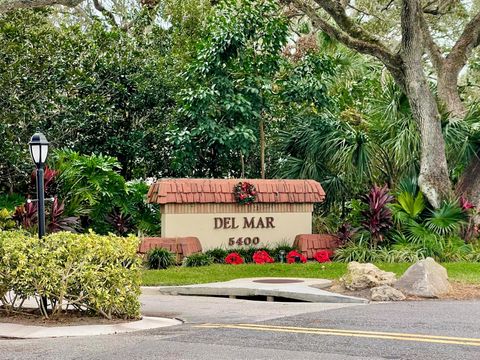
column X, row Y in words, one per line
column 348, row 33
column 433, row 49
column 11, row 5
column 468, row 40
column 108, row 15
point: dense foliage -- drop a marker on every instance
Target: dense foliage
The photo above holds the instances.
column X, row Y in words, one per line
column 91, row 273
column 225, row 89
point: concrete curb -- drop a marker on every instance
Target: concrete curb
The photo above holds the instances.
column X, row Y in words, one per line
column 308, row 290
column 17, row 331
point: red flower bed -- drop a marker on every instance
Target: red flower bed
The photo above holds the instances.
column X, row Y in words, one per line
column 262, row 257
column 293, row 255
column 322, row 256
column 234, row 259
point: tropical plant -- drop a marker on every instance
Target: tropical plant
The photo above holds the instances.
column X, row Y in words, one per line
column 359, row 250
column 408, row 206
column 447, row 219
column 198, row 259
column 120, row 222
column 377, row 219
column 346, row 233
column 58, row 222
column 217, row 254
column 26, row 215
column 160, row 258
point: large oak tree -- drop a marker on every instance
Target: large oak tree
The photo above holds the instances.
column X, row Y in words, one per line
column 410, row 50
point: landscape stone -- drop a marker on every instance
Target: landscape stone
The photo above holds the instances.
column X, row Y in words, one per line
column 426, row 278
column 364, row 276
column 386, row 293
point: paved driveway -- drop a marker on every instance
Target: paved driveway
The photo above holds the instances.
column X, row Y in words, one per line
column 236, row 329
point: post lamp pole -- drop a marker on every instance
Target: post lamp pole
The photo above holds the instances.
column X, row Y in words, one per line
column 39, row 151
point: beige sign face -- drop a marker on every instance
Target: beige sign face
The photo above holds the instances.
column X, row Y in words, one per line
column 238, row 230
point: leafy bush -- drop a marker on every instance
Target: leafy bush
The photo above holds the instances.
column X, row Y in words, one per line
column 160, row 258
column 6, row 219
column 198, row 259
column 217, row 254
column 88, row 272
column 94, row 190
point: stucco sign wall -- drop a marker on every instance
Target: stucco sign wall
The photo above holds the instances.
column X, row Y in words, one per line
column 206, row 208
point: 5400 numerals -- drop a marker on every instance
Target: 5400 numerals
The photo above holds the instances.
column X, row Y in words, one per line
column 243, row 241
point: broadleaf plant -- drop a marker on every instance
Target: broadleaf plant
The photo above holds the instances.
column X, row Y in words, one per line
column 377, row 219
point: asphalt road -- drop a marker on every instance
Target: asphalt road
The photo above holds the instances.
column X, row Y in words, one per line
column 406, row 330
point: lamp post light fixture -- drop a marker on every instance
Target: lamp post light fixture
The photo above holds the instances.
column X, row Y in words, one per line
column 39, row 150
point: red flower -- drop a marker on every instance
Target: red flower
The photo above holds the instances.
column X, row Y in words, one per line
column 234, row 259
column 465, row 204
column 322, row 256
column 262, row 257
column 292, row 257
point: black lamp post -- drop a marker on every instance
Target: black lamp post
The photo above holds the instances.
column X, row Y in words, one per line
column 39, row 151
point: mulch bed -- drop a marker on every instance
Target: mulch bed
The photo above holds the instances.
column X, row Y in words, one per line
column 460, row 291
column 65, row 318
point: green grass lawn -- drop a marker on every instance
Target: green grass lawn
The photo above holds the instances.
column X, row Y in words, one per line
column 463, row 272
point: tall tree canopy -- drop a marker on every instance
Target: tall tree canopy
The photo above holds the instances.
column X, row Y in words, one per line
column 399, row 34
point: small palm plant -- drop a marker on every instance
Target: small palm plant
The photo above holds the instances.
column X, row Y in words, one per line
column 447, row 219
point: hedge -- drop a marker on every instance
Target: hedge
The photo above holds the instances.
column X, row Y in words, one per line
column 88, row 272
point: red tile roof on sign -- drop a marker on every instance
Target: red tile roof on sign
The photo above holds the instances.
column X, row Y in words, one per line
column 188, row 191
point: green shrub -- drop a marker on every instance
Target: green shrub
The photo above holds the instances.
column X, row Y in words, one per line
column 359, row 250
column 198, row 259
column 474, row 254
column 11, row 201
column 89, row 272
column 6, row 220
column 218, row 254
column 160, row 258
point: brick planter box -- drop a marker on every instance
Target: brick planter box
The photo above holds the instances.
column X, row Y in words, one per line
column 309, row 244
column 182, row 246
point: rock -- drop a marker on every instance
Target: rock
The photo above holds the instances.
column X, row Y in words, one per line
column 364, row 276
column 386, row 293
column 425, row 278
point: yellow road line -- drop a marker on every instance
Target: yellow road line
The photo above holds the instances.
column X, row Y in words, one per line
column 351, row 333
column 367, row 332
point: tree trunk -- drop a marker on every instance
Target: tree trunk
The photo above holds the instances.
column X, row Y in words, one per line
column 469, row 184
column 262, row 147
column 433, row 179
column 448, row 94
column 242, row 164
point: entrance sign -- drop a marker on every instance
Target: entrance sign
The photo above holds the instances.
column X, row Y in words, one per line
column 207, row 209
